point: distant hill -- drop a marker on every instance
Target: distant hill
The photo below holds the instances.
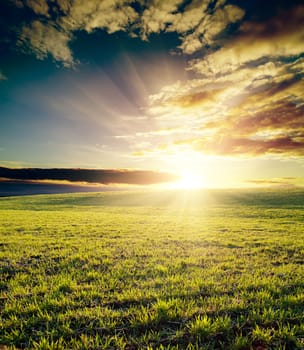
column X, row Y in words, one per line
column 20, row 188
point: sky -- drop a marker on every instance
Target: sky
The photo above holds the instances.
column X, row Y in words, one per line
column 210, row 91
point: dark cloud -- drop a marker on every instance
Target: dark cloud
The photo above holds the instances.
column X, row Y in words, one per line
column 284, row 116
column 275, row 39
column 277, row 26
column 229, row 145
column 104, row 176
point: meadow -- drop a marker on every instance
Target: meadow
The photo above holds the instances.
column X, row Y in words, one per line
column 150, row 270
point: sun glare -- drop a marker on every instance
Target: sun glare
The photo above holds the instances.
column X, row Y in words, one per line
column 189, row 181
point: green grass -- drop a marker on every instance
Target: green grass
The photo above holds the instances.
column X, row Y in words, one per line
column 211, row 270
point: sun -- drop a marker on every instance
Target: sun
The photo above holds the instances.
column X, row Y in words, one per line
column 189, row 181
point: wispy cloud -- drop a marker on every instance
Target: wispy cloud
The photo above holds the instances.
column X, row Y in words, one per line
column 47, row 39
column 234, row 145
column 280, row 182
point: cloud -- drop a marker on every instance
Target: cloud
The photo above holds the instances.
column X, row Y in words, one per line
column 157, row 16
column 45, row 39
column 40, row 7
column 110, row 15
column 184, row 22
column 249, row 99
column 276, row 37
column 282, row 116
column 219, row 94
column 197, row 98
column 198, row 23
column 103, row 176
column 229, row 145
column 270, row 121
column 210, row 26
column 52, row 32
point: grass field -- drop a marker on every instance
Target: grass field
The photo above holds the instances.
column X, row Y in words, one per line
column 145, row 270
